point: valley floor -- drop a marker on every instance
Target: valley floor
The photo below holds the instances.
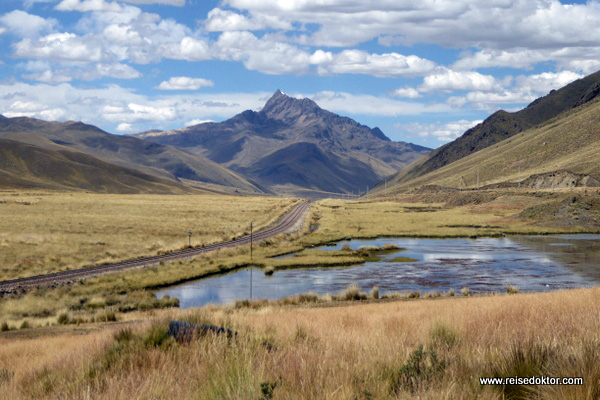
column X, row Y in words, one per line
column 68, row 347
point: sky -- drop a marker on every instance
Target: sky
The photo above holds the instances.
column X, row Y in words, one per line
column 423, row 71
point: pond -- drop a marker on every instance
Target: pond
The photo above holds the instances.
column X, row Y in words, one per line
column 531, row 263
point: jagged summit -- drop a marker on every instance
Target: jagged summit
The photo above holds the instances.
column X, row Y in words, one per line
column 283, row 107
column 294, row 144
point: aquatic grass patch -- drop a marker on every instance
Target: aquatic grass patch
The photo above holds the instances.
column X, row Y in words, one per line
column 400, row 260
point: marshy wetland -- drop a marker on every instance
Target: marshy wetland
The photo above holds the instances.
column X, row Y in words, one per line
column 484, row 265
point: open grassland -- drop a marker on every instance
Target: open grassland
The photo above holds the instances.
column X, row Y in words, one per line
column 489, row 213
column 414, row 349
column 495, row 213
column 42, row 232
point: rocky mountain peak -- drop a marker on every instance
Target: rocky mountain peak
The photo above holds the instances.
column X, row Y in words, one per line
column 283, row 107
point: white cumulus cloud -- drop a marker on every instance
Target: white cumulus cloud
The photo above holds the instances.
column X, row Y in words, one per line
column 24, row 24
column 380, row 65
column 448, row 80
column 407, row 92
column 87, row 5
column 444, row 132
column 177, row 3
column 184, row 83
column 226, row 20
column 125, row 127
column 45, row 73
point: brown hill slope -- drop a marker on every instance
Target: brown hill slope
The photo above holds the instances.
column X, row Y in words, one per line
column 502, row 125
column 565, row 151
column 150, row 158
column 338, row 154
column 26, row 166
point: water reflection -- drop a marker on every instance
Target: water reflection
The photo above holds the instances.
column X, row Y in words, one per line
column 532, row 263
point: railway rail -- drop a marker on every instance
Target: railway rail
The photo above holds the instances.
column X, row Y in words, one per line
column 283, row 224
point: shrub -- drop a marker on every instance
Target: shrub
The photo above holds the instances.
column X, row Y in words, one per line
column 419, row 371
column 451, row 293
column 6, row 375
column 512, row 289
column 4, row 327
column 267, row 389
column 529, row 359
column 414, row 295
column 123, row 335
column 106, row 316
column 443, row 335
column 352, row 293
column 308, row 297
column 375, row 292
column 158, row 336
column 63, row 318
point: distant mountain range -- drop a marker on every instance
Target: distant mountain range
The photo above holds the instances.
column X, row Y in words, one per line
column 554, row 142
column 169, row 164
column 294, row 146
column 291, row 146
column 26, row 166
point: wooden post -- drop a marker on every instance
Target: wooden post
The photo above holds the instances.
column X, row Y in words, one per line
column 251, row 260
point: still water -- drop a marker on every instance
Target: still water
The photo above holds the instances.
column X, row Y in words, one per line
column 531, row 263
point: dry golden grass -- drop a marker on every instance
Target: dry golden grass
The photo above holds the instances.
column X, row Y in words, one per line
column 571, row 141
column 42, row 232
column 339, row 219
column 349, row 352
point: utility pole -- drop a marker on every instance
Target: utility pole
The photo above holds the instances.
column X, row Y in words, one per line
column 189, row 238
column 519, row 176
column 251, row 260
column 477, row 178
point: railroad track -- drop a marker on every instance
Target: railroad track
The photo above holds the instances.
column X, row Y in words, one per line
column 284, row 223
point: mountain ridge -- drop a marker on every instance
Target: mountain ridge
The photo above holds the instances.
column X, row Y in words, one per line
column 561, row 152
column 23, row 165
column 502, row 125
column 241, row 142
column 165, row 162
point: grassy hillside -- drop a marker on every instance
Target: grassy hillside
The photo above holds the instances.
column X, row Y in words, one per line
column 27, row 166
column 569, row 142
column 166, row 162
column 502, row 125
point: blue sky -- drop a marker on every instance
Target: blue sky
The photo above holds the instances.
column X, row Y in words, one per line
column 423, row 71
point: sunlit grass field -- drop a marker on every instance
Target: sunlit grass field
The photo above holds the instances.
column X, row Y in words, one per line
column 412, row 349
column 42, row 232
column 339, row 219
